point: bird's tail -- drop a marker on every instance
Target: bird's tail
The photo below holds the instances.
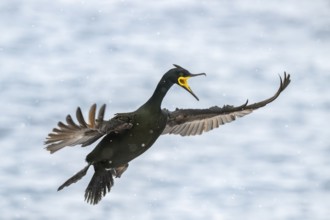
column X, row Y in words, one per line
column 100, row 184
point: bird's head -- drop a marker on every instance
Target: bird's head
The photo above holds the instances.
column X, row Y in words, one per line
column 180, row 76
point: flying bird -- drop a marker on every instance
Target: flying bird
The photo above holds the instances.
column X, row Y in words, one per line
column 128, row 135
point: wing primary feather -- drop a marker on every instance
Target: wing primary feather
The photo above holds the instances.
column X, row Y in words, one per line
column 176, row 130
column 194, row 128
column 220, row 121
column 62, row 126
column 80, row 118
column 71, row 123
column 215, row 122
column 91, row 116
column 208, row 125
column 181, row 128
column 184, row 131
column 191, row 128
column 200, row 127
column 100, row 116
column 225, row 119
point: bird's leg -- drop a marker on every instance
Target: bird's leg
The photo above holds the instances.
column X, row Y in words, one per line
column 118, row 171
column 75, row 178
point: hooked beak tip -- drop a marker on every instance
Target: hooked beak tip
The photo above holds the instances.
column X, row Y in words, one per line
column 198, row 74
column 192, row 93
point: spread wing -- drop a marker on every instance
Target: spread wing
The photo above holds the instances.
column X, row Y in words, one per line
column 188, row 122
column 83, row 133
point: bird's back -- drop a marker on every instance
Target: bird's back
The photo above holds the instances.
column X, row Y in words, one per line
column 120, row 148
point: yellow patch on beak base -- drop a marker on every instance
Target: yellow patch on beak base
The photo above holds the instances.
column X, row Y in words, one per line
column 183, row 81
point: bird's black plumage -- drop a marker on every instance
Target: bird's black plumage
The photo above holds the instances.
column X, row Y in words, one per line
column 128, row 135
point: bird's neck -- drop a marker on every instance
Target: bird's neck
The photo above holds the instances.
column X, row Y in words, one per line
column 157, row 97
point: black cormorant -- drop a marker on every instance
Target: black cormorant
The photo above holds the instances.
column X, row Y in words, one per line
column 128, row 135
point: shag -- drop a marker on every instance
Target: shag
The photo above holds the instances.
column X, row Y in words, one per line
column 128, row 135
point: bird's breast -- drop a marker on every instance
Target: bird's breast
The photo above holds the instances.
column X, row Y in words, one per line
column 146, row 130
column 143, row 134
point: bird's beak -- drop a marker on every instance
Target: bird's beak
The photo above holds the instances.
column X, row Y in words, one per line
column 183, row 82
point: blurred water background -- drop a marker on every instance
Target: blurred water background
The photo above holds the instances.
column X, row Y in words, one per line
column 273, row 164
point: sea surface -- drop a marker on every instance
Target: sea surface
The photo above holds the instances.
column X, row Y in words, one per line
column 272, row 164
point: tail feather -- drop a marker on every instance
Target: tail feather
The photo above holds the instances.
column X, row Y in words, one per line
column 100, row 184
column 74, row 178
